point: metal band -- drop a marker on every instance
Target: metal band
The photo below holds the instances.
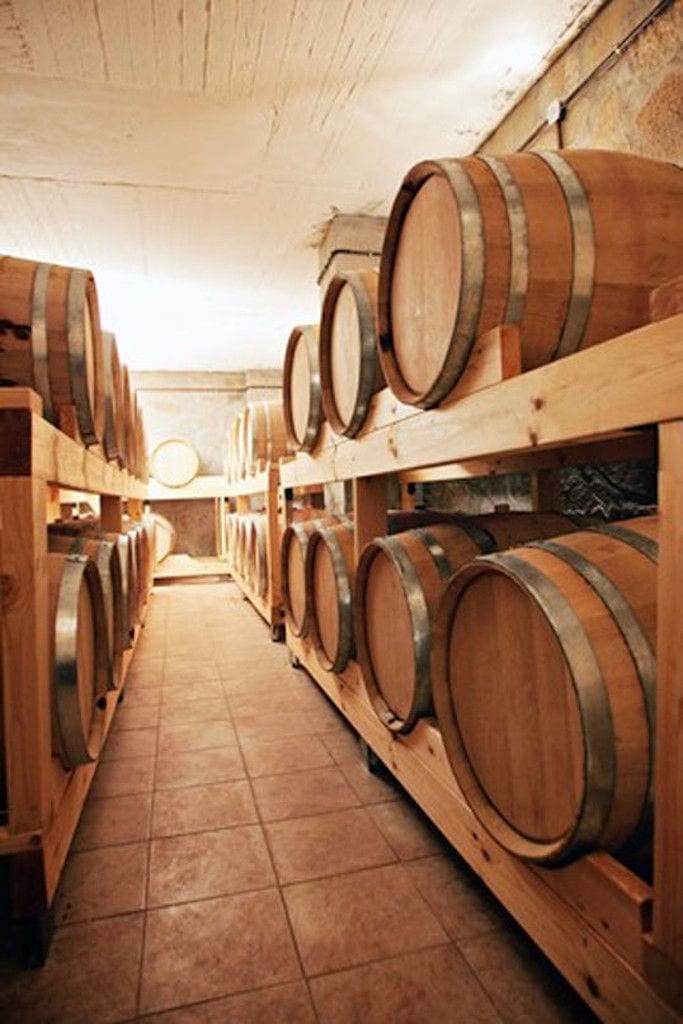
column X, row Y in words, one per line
column 635, row 637
column 368, row 355
column 472, row 273
column 480, row 536
column 519, row 237
column 39, row 345
column 345, row 649
column 645, row 545
column 78, row 747
column 583, row 262
column 436, row 551
column 78, row 370
column 591, row 694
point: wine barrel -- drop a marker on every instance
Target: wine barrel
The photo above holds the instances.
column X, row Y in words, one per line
column 129, row 422
column 544, row 686
column 242, row 562
column 295, row 598
column 141, row 445
column 350, row 372
column 302, row 400
column 105, row 555
column 566, row 244
column 79, row 659
column 399, row 583
column 265, row 435
column 113, row 436
column 175, row 462
column 329, row 576
column 257, row 554
column 52, row 340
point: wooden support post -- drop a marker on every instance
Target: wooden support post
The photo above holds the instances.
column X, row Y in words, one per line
column 273, row 542
column 667, row 938
column 370, row 507
column 25, row 651
column 546, row 490
column 111, row 513
column 135, row 508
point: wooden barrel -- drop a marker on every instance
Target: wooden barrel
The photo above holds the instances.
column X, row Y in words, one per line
column 164, row 537
column 129, row 422
column 113, row 436
column 175, row 462
column 302, row 399
column 295, row 598
column 79, row 659
column 105, row 555
column 242, row 563
column 544, row 686
column 350, row 372
column 141, row 445
column 257, row 554
column 399, row 583
column 265, row 436
column 329, row 578
column 52, row 341
column 566, row 244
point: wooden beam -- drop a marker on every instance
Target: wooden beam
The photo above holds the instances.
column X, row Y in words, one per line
column 370, row 511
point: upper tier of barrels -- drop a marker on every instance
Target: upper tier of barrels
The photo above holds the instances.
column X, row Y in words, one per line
column 567, row 245
column 52, row 341
column 255, row 437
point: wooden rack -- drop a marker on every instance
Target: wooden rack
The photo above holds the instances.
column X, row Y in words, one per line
column 618, row 940
column 265, row 483
column 44, row 801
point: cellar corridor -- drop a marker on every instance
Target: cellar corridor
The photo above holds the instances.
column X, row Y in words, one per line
column 236, row 862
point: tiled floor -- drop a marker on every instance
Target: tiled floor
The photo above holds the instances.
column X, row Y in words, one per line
column 236, row 863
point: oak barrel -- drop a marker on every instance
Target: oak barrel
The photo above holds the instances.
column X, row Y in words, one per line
column 164, row 537
column 295, row 597
column 175, row 462
column 350, row 371
column 105, row 555
column 129, row 421
column 257, row 554
column 302, row 399
column 544, row 686
column 265, row 434
column 399, row 583
column 52, row 341
column 566, row 244
column 79, row 658
column 114, row 433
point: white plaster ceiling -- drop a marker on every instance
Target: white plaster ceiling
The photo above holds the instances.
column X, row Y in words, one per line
column 189, row 150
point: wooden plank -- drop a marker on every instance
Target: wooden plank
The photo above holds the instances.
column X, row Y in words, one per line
column 624, row 383
column 616, row 992
column 627, row 446
column 370, row 511
column 21, row 398
column 25, row 651
column 668, row 844
column 250, row 485
column 273, row 546
column 111, row 513
column 58, row 459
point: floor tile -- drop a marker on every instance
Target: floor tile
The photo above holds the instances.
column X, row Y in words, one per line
column 197, row 808
column 462, row 903
column 283, row 1004
column 215, row 948
column 120, row 819
column 91, row 977
column 145, row 672
column 405, row 828
column 287, row 754
column 349, row 919
column 140, row 696
column 274, row 725
column 432, row 986
column 119, row 778
column 327, row 844
column 206, row 864
column 195, row 711
column 369, row 788
column 521, row 983
column 298, row 794
column 203, row 691
column 129, row 743
column 101, row 883
column 136, row 716
column 190, row 674
column 344, row 746
column 194, row 767
column 191, row 735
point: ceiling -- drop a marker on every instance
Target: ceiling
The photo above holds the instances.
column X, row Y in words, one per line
column 189, row 151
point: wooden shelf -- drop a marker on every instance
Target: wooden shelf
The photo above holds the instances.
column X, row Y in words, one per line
column 626, row 383
column 251, row 485
column 618, row 941
column 200, row 487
